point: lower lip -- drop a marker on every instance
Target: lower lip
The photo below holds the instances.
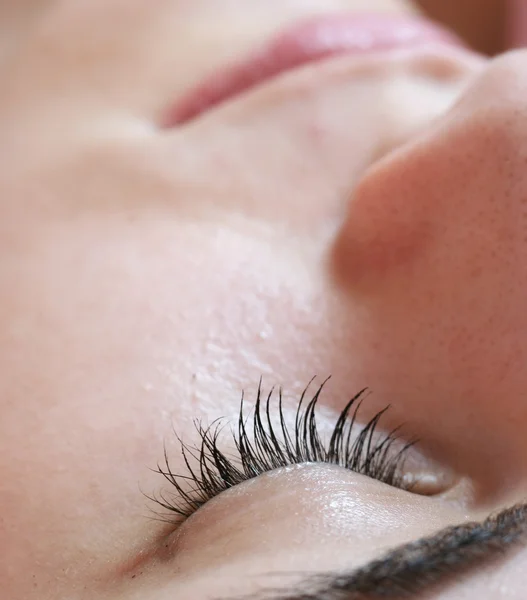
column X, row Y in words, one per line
column 309, row 42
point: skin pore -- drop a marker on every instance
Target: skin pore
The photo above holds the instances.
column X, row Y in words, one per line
column 362, row 218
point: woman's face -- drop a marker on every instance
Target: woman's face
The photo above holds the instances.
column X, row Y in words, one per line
column 363, row 217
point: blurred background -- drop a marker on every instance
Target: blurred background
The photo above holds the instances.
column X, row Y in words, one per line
column 490, row 26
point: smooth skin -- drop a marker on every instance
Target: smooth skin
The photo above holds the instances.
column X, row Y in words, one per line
column 363, row 218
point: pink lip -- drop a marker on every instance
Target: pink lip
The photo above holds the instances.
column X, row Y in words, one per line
column 308, row 42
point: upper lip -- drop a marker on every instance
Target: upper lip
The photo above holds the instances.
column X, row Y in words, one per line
column 305, row 42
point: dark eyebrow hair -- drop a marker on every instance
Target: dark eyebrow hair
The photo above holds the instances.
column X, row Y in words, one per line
column 417, row 567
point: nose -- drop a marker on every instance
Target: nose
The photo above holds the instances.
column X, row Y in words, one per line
column 434, row 250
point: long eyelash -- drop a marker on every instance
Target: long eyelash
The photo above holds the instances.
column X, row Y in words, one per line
column 262, row 447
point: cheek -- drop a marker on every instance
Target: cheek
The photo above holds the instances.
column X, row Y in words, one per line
column 104, row 347
column 434, row 252
column 113, row 331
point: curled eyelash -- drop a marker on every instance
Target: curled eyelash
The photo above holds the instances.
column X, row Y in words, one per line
column 262, row 446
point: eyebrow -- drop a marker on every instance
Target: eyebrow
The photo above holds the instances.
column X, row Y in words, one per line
column 412, row 569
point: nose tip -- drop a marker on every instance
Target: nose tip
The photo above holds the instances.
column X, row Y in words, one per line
column 462, row 182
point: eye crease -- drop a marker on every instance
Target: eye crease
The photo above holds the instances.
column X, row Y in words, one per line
column 261, row 447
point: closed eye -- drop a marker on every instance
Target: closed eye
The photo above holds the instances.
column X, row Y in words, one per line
column 268, row 441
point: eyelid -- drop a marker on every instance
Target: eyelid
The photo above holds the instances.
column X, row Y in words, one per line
column 318, row 516
column 262, row 446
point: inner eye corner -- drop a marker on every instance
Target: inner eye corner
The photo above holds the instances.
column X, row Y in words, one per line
column 433, row 482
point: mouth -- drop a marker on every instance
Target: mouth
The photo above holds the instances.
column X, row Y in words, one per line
column 311, row 41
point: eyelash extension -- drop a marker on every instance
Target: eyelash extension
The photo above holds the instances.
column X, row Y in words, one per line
column 262, row 447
